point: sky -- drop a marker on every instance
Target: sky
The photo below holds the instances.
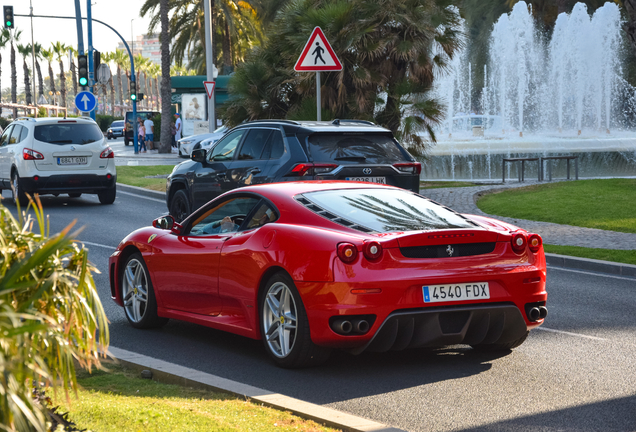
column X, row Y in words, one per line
column 116, row 13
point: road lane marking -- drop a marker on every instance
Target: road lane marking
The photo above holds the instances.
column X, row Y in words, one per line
column 97, row 244
column 570, row 333
column 142, row 196
column 592, row 273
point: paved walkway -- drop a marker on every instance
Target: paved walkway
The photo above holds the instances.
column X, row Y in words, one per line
column 462, row 199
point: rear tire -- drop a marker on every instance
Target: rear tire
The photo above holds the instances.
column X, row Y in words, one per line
column 17, row 193
column 179, row 206
column 138, row 295
column 108, row 196
column 285, row 327
column 502, row 346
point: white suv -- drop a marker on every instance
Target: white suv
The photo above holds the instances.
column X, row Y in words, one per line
column 54, row 156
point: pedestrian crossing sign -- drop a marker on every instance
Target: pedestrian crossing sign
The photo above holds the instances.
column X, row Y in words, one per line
column 317, row 56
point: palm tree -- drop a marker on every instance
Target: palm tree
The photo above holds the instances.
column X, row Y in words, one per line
column 25, row 51
column 38, row 55
column 166, row 115
column 4, row 39
column 60, row 52
column 106, row 58
column 14, row 36
column 122, row 60
column 141, row 65
column 155, row 72
column 49, row 55
column 74, row 54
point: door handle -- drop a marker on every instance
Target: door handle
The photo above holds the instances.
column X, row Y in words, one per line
column 255, row 170
column 221, row 174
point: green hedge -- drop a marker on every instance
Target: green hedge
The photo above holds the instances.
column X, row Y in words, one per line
column 104, row 121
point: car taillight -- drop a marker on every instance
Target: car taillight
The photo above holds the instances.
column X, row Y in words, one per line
column 410, row 167
column 519, row 242
column 535, row 242
column 372, row 250
column 347, row 252
column 107, row 154
column 303, row 169
column 29, row 154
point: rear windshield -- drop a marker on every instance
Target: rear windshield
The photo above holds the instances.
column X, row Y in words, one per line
column 355, row 147
column 385, row 210
column 68, row 133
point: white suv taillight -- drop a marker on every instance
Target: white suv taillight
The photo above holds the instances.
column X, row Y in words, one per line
column 107, row 154
column 29, row 154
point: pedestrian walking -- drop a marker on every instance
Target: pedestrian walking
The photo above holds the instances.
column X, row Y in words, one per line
column 149, row 125
column 141, row 135
column 177, row 136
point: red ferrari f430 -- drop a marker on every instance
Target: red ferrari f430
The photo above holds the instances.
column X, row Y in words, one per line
column 312, row 266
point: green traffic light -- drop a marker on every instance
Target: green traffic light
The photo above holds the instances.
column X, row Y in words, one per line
column 8, row 23
column 133, row 97
column 83, row 81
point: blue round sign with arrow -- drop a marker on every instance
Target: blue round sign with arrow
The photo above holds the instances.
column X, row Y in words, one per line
column 85, row 101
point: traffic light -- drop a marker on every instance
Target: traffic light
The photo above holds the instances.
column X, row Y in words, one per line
column 82, row 70
column 9, row 23
column 96, row 60
column 133, row 90
column 141, row 96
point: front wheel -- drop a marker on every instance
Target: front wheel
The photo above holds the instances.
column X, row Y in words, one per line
column 180, row 206
column 140, row 303
column 107, row 196
column 285, row 327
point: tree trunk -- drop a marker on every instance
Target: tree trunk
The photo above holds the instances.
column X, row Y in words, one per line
column 157, row 93
column 40, row 79
column 62, row 84
column 51, row 81
column 227, row 49
column 74, row 76
column 166, row 115
column 14, row 82
column 27, row 84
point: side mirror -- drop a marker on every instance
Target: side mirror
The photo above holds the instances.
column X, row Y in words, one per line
column 164, row 222
column 198, row 155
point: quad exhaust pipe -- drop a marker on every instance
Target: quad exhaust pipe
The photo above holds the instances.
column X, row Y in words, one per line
column 345, row 326
column 538, row 312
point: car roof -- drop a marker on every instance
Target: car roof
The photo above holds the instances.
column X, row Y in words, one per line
column 321, row 126
column 54, row 120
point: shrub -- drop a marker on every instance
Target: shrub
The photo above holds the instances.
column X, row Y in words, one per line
column 50, row 315
column 157, row 128
column 104, row 121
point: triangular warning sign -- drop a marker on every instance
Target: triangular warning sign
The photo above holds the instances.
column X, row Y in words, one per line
column 317, row 55
column 209, row 88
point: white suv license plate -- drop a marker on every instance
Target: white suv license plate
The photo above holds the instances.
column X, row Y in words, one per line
column 381, row 180
column 75, row 160
column 456, row 292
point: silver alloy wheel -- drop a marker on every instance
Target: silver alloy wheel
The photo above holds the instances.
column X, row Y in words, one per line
column 279, row 319
column 135, row 290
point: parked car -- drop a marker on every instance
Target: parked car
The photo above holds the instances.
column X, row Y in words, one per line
column 312, row 266
column 55, row 156
column 116, row 129
column 128, row 129
column 193, row 142
column 270, row 151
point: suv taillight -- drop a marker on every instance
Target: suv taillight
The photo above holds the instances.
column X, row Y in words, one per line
column 29, row 154
column 410, row 167
column 302, row 169
column 107, row 154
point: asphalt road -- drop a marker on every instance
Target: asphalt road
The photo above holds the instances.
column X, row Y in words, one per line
column 577, row 374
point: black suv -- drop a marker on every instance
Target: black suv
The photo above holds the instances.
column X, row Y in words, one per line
column 268, row 151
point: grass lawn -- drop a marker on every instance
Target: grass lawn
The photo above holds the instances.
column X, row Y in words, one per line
column 137, row 176
column 444, row 184
column 121, row 401
column 621, row 256
column 608, row 204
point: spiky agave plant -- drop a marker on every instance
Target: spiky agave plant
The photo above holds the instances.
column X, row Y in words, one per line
column 51, row 317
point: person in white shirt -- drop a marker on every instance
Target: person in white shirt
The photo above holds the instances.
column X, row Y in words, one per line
column 177, row 124
column 150, row 133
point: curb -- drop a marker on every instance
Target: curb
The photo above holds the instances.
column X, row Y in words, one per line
column 171, row 373
column 591, row 265
column 141, row 191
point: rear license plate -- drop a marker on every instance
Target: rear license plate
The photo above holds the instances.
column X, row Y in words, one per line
column 456, row 292
column 381, row 180
column 75, row 160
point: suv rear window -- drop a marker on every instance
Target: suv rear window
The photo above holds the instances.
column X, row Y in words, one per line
column 68, row 133
column 387, row 210
column 377, row 148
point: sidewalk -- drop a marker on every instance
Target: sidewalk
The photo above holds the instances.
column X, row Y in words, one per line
column 126, row 156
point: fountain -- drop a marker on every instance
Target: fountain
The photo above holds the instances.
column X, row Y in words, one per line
column 560, row 96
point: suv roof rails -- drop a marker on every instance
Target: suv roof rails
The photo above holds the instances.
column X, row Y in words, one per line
column 366, row 122
column 25, row 118
column 274, row 120
column 86, row 118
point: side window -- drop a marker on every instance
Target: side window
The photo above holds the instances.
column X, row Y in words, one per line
column 15, row 135
column 275, row 148
column 4, row 140
column 226, row 217
column 254, row 142
column 224, row 150
column 25, row 132
column 263, row 215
